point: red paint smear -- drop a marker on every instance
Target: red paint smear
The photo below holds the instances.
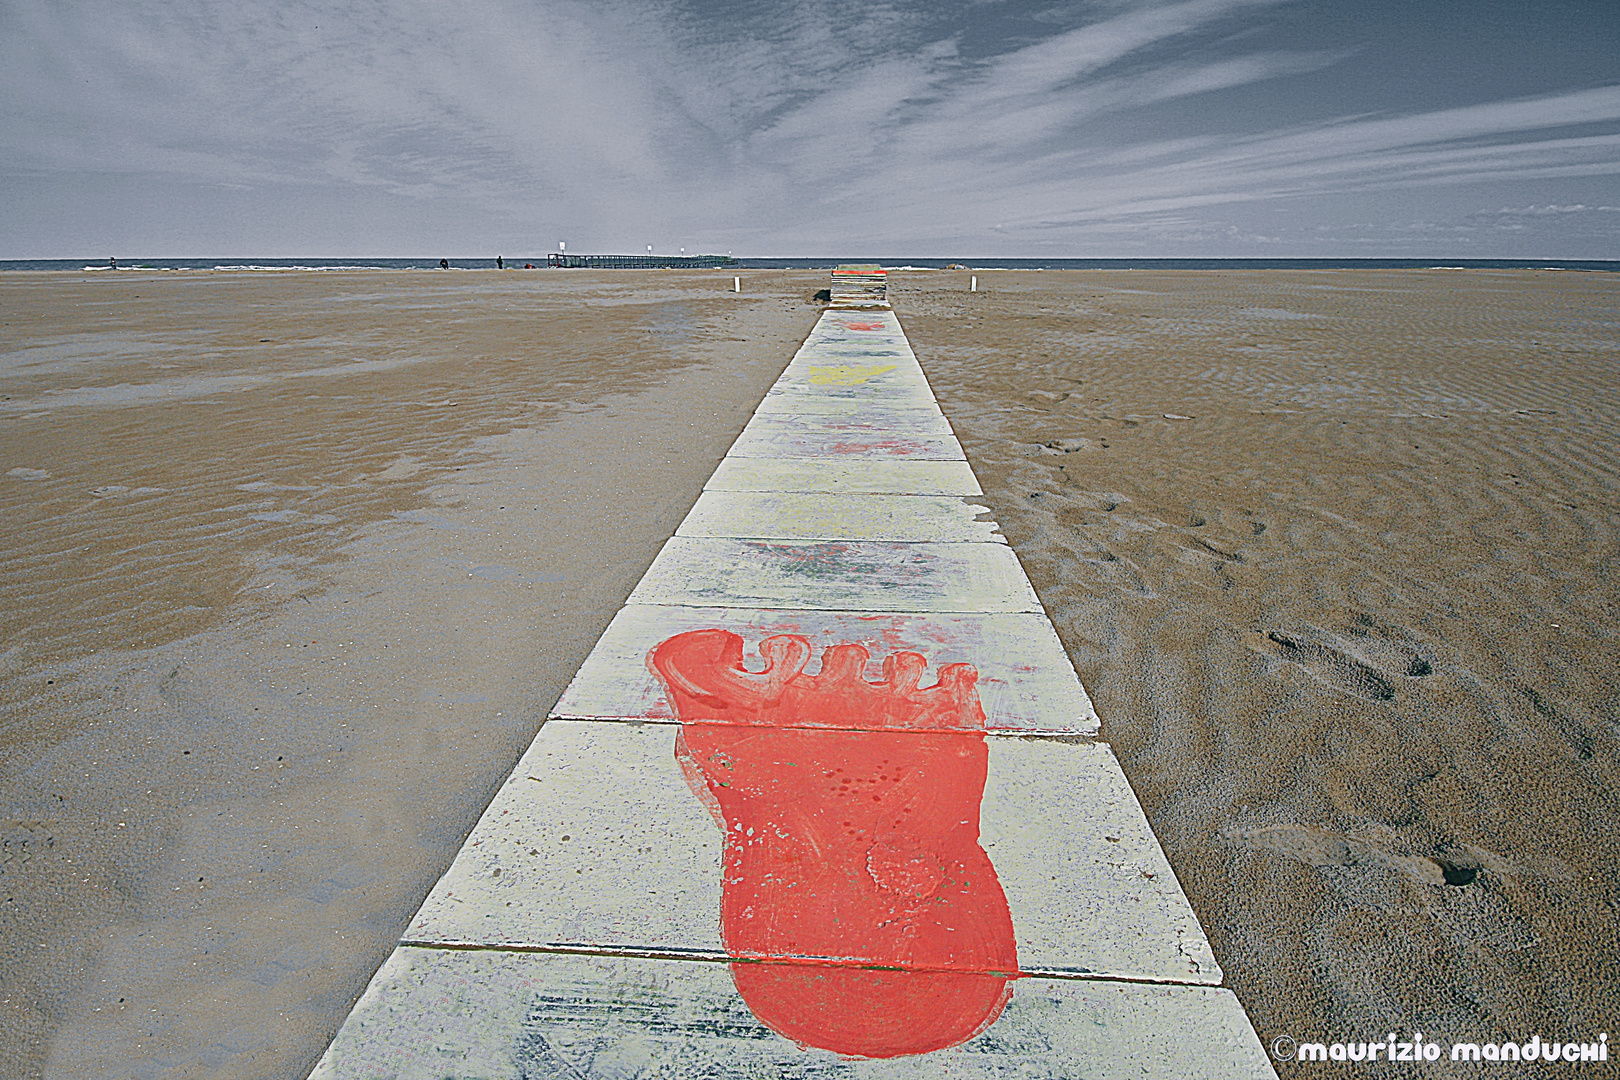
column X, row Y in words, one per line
column 860, row 847
column 864, row 325
column 866, row 1013
column 896, row 447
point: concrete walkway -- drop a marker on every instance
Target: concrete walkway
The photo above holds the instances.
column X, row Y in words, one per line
column 614, row 899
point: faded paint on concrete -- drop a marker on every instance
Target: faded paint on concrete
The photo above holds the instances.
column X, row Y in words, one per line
column 895, row 421
column 434, row 1013
column 847, row 575
column 805, row 516
column 797, row 395
column 833, row 407
column 778, row 442
column 888, row 476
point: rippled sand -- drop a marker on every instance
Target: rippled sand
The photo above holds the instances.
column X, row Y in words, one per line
column 157, row 428
column 1335, row 554
column 291, row 568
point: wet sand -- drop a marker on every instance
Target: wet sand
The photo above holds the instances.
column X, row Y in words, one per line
column 1335, row 554
column 294, row 566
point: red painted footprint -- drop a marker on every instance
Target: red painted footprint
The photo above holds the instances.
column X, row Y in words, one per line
column 868, row 919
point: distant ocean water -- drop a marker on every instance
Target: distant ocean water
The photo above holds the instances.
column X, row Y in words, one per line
column 316, row 265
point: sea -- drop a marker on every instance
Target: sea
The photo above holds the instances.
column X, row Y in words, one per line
column 518, row 262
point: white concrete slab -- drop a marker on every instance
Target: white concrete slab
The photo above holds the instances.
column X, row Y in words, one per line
column 841, row 326
column 594, row 842
column 830, row 321
column 837, row 324
column 803, row 397
column 855, row 341
column 866, row 360
column 811, row 361
column 851, row 365
column 834, row 334
column 1089, row 889
column 1026, row 682
column 871, row 421
column 830, row 333
column 430, row 1014
column 807, row 516
column 850, row 575
column 819, row 404
column 877, row 476
column 887, row 355
column 798, row 443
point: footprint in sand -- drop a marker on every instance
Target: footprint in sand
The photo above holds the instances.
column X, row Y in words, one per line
column 1374, row 845
column 1370, row 662
column 862, row 914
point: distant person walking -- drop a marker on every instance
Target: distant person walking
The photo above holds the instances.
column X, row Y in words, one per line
column 112, row 264
column 500, row 264
column 444, row 264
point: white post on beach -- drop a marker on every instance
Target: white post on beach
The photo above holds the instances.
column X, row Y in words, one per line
column 973, row 283
column 736, row 284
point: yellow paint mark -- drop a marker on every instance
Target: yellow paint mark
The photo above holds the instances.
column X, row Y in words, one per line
column 846, row 374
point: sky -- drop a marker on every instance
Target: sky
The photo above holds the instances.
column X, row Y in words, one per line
column 817, row 128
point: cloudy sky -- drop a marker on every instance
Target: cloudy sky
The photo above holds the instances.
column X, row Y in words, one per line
column 944, row 128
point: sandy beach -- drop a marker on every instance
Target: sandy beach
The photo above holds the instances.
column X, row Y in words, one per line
column 295, row 564
column 1334, row 553
column 294, row 567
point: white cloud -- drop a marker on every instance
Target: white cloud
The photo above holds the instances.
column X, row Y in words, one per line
column 1543, row 211
column 1472, row 145
column 780, row 127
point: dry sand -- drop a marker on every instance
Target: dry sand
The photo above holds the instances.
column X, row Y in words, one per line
column 1335, row 554
column 293, row 567
column 1348, row 613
